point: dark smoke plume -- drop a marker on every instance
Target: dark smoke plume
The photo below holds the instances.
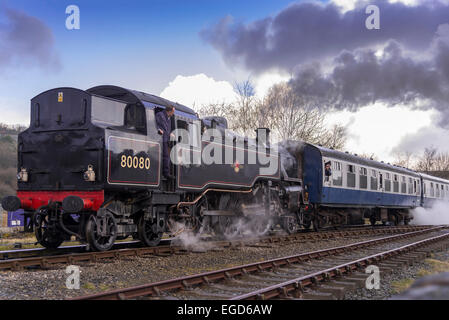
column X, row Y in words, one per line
column 309, row 31
column 26, row 41
column 363, row 77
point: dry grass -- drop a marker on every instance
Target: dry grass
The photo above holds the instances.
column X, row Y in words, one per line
column 434, row 266
column 402, row 285
column 89, row 286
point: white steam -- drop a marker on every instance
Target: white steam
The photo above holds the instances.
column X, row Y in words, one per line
column 438, row 214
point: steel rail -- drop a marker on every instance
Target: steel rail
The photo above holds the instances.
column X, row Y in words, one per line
column 306, row 236
column 212, row 276
column 48, row 261
column 283, row 289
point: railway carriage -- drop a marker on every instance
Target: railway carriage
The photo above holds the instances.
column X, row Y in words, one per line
column 353, row 187
column 434, row 189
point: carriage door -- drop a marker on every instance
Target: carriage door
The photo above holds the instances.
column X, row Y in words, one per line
column 381, row 187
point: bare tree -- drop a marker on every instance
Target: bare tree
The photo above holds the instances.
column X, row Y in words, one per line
column 298, row 118
column 403, row 159
column 244, row 118
column 288, row 115
column 335, row 138
column 427, row 161
column 441, row 162
column 222, row 109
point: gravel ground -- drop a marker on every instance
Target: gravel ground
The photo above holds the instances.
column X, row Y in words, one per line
column 387, row 290
column 97, row 277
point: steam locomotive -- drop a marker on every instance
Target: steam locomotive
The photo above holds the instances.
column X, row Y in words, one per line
column 89, row 166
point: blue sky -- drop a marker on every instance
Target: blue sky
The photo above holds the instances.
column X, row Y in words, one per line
column 137, row 44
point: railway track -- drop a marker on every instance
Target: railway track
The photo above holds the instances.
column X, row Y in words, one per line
column 296, row 276
column 47, row 259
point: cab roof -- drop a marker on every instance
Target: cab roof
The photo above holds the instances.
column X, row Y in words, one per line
column 134, row 96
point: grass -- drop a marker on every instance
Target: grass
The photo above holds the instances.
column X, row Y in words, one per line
column 402, row 285
column 89, row 286
column 434, row 266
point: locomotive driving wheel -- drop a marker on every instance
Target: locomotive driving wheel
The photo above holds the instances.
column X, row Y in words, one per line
column 262, row 225
column 101, row 232
column 149, row 233
column 227, row 227
column 289, row 224
column 46, row 231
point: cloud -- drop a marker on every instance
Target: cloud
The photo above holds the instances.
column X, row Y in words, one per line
column 311, row 30
column 379, row 129
column 198, row 90
column 426, row 137
column 26, row 41
column 366, row 76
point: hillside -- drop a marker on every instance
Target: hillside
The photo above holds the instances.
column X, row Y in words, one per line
column 8, row 159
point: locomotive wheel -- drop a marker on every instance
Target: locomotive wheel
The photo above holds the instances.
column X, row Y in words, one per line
column 148, row 232
column 44, row 234
column 289, row 224
column 101, row 232
column 372, row 220
column 261, row 226
column 226, row 227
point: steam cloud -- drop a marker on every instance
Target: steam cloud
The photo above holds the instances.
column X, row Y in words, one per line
column 364, row 77
column 26, row 40
column 405, row 62
column 305, row 31
column 438, row 214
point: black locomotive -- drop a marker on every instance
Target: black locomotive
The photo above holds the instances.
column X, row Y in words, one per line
column 89, row 166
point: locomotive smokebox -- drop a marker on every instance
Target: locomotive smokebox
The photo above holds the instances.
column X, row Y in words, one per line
column 72, row 204
column 11, row 203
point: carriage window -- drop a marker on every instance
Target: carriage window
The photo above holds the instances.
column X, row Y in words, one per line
column 410, row 185
column 387, row 182
column 437, row 187
column 374, row 180
column 337, row 179
column 327, row 170
column 432, row 191
column 350, row 181
column 403, row 185
column 395, row 183
column 363, row 178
